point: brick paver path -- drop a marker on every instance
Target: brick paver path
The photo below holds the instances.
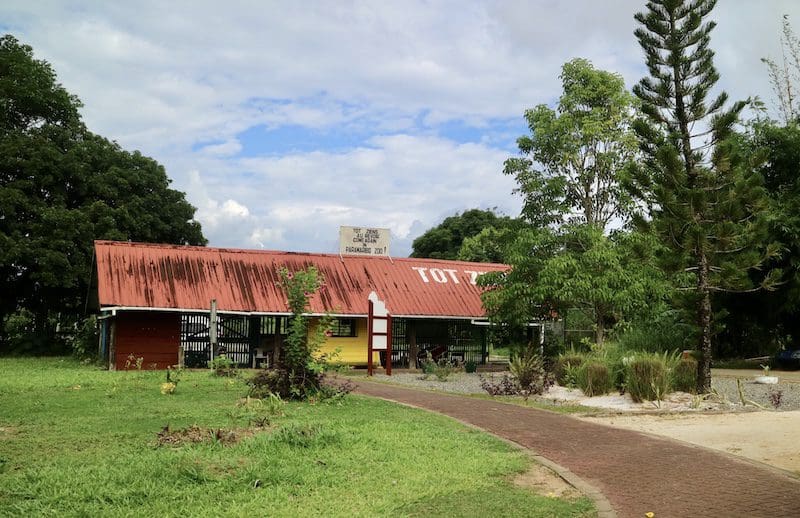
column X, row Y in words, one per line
column 636, row 472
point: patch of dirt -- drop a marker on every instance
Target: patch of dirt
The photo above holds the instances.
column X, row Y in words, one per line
column 7, row 432
column 544, row 482
column 768, row 437
column 196, row 434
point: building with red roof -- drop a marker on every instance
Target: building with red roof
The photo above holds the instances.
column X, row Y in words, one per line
column 155, row 300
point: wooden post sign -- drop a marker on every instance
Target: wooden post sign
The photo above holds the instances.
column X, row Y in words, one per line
column 379, row 334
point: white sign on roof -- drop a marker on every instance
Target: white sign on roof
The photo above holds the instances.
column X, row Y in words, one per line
column 364, row 241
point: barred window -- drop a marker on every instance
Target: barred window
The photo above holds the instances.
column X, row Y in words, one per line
column 343, row 327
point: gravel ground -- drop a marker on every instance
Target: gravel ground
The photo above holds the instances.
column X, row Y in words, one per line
column 463, row 383
column 789, row 392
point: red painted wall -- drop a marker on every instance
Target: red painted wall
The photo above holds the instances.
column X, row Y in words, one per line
column 149, row 335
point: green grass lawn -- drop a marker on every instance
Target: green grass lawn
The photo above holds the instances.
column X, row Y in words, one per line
column 78, row 441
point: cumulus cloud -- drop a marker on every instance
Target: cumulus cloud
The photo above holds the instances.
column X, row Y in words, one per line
column 182, row 81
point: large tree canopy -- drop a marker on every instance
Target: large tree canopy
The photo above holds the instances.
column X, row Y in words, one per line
column 577, row 154
column 444, row 240
column 61, row 187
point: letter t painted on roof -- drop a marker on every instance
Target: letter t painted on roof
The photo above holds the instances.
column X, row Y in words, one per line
column 422, row 274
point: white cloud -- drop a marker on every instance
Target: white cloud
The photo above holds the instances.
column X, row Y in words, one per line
column 182, row 80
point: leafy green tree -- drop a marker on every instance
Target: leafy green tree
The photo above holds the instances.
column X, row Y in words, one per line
column 444, row 240
column 490, row 245
column 577, row 154
column 608, row 278
column 760, row 323
column 704, row 196
column 61, row 187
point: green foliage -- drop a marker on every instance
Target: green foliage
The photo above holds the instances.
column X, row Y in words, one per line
column 61, row 187
column 647, row 376
column 223, row 366
column 611, row 278
column 490, row 245
column 582, row 147
column 529, row 374
column 684, row 375
column 267, row 382
column 445, row 240
column 762, row 323
column 563, row 365
column 442, row 368
column 300, row 372
column 470, row 366
column 705, row 199
column 594, row 377
column 663, row 331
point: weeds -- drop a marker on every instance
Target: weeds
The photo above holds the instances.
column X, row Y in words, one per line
column 223, row 366
column 775, row 398
column 442, row 369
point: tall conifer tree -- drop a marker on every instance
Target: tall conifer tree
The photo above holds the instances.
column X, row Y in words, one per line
column 705, row 199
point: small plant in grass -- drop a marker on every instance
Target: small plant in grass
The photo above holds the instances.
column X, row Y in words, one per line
column 223, row 366
column 258, row 412
column 471, row 366
column 594, row 378
column 133, row 362
column 684, row 375
column 332, row 390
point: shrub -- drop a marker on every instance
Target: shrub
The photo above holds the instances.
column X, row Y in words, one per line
column 684, row 375
column 647, row 376
column 471, row 366
column 594, row 378
column 428, row 365
column 506, row 386
column 269, row 381
column 563, row 364
column 222, row 366
column 529, row 373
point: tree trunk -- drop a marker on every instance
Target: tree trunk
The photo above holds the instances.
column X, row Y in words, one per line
column 599, row 332
column 704, row 321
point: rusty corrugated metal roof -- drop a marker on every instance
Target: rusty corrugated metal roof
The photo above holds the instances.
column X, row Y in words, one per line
column 187, row 277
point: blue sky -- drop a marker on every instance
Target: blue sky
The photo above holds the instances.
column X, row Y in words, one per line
column 282, row 121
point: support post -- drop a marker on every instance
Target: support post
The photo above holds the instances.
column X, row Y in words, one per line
column 369, row 339
column 212, row 328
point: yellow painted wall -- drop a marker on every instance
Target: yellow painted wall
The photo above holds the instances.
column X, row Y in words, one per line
column 353, row 349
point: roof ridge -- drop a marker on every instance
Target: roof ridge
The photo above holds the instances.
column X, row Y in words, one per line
column 211, row 249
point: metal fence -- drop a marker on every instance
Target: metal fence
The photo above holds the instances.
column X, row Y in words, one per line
column 456, row 340
column 238, row 336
